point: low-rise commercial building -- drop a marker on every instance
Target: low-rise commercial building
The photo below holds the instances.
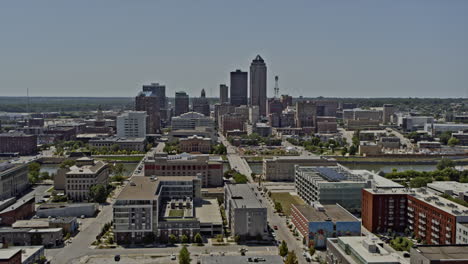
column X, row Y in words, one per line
column 12, row 209
column 137, row 144
column 389, row 142
column 13, row 180
column 67, row 210
column 439, row 254
column 195, row 144
column 211, row 171
column 360, row 250
column 369, row 148
column 282, row 168
column 326, row 124
column 319, row 222
column 21, row 254
column 49, row 237
column 68, row 224
column 245, row 213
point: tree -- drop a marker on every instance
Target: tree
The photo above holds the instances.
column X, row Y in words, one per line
column 172, row 239
column 219, row 238
column 67, row 163
column 311, row 250
column 453, row 141
column 114, row 147
column 98, row 193
column 352, row 150
column 184, row 256
column 445, row 137
column 283, row 249
column 198, row 239
column 344, row 150
column 278, row 207
column 291, row 258
column 445, row 163
column 184, row 239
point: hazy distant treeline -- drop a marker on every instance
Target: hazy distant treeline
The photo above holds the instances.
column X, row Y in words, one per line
column 435, row 106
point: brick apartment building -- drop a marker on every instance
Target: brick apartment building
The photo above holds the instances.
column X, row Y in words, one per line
column 429, row 217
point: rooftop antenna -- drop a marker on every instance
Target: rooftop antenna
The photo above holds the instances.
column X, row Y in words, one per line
column 276, row 86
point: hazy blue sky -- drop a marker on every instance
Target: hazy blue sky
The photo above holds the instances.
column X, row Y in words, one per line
column 318, row 48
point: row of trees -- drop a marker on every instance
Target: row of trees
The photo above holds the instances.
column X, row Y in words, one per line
column 290, row 256
column 237, row 176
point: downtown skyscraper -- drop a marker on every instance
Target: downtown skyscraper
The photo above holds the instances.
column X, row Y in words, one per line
column 258, row 84
column 238, row 88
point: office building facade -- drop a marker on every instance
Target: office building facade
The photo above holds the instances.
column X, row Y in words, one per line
column 258, row 84
column 239, row 88
column 245, row 213
column 132, row 124
column 223, row 94
column 182, row 102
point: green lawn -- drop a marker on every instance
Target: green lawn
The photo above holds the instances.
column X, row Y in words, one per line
column 176, row 213
column 286, row 200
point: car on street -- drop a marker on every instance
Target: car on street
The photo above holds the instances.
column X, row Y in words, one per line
column 275, row 227
column 173, row 257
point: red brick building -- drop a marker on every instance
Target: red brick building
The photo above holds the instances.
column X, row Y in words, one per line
column 10, row 256
column 382, row 211
column 429, row 217
column 18, row 142
column 20, row 209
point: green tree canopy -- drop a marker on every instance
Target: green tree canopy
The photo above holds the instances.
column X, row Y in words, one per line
column 184, row 256
column 98, row 193
column 283, row 249
column 291, row 258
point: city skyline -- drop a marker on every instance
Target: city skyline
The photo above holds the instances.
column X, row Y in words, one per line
column 366, row 49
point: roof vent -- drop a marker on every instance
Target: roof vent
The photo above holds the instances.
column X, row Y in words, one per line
column 132, row 184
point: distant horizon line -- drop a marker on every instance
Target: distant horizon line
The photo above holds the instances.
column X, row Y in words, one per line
column 217, row 97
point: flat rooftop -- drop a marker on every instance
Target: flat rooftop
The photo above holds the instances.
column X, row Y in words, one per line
column 335, row 213
column 377, row 180
column 207, row 211
column 330, row 173
column 458, row 252
column 145, row 188
column 428, row 197
column 244, row 196
column 357, row 244
column 270, row 259
column 8, row 253
column 443, row 186
column 139, row 188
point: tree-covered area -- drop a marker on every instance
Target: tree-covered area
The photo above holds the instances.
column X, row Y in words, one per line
column 64, row 104
column 219, row 149
column 65, row 147
column 445, row 172
column 401, row 244
column 255, row 139
column 237, row 176
column 315, row 145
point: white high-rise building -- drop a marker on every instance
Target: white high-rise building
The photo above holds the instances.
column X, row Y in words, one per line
column 132, row 124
